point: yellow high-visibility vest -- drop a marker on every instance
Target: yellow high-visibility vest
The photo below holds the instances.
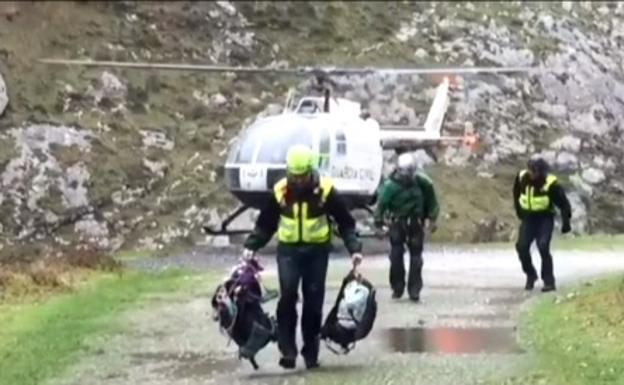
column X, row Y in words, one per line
column 531, row 200
column 303, row 221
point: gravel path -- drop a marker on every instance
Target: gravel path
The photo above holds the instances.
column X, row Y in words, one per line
column 470, row 303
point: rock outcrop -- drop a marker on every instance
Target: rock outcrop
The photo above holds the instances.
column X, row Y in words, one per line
column 131, row 158
column 4, row 95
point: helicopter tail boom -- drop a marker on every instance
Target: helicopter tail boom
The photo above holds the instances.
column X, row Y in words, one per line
column 397, row 135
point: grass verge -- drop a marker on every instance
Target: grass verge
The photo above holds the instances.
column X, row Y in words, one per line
column 39, row 340
column 595, row 242
column 577, row 337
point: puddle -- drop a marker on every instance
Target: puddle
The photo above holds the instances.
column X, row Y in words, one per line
column 452, row 340
column 473, row 317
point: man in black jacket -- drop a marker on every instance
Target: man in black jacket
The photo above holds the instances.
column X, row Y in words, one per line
column 298, row 210
column 535, row 193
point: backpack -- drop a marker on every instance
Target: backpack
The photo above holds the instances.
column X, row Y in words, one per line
column 353, row 315
column 237, row 304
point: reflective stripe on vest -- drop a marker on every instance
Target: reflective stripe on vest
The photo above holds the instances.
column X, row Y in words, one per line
column 296, row 224
column 531, row 202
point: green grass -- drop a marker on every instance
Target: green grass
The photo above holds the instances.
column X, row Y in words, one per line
column 39, row 340
column 594, row 242
column 577, row 340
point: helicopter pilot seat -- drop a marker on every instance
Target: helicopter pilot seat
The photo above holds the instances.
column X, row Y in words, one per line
column 308, row 106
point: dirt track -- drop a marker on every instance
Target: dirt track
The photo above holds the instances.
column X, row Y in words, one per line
column 174, row 342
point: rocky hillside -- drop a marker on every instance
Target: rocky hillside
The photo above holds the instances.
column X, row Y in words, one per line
column 127, row 158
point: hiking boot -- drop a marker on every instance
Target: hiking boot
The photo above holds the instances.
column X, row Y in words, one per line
column 530, row 283
column 548, row 287
column 287, row 362
column 312, row 364
column 397, row 293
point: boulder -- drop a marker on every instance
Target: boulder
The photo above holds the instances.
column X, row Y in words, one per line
column 593, row 176
column 4, row 95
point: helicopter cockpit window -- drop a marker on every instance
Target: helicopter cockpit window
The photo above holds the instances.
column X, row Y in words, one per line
column 274, row 147
column 341, row 143
column 308, row 107
column 248, row 143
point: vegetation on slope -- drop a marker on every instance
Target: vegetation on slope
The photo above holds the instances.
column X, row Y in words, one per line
column 38, row 340
column 576, row 337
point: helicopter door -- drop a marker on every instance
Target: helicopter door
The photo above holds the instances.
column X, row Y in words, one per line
column 339, row 160
column 356, row 155
column 324, row 151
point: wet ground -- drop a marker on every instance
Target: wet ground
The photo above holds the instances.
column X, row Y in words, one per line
column 462, row 332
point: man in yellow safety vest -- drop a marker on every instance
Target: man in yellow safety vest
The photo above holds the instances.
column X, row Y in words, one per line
column 535, row 194
column 298, row 210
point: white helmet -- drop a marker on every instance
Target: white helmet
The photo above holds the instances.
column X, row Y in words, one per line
column 353, row 305
column 406, row 167
column 406, row 161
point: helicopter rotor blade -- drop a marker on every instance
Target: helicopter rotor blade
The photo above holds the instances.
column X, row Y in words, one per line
column 295, row 70
column 168, row 66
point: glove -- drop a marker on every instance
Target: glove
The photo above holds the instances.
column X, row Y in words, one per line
column 248, row 254
column 566, row 228
column 356, row 259
column 432, row 226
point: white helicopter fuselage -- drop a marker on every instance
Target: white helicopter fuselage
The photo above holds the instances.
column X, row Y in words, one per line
column 348, row 148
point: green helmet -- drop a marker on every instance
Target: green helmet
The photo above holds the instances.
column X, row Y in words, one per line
column 299, row 160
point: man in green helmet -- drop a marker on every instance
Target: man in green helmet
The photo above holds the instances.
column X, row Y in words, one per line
column 298, row 210
column 409, row 198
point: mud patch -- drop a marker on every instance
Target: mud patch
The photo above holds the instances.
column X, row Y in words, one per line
column 452, row 340
column 505, row 301
column 187, row 364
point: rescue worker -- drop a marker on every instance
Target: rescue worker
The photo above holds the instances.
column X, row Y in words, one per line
column 410, row 199
column 536, row 191
column 298, row 210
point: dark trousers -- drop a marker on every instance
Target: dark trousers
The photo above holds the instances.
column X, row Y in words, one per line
column 307, row 264
column 406, row 232
column 538, row 229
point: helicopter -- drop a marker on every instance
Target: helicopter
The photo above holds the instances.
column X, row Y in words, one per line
column 349, row 143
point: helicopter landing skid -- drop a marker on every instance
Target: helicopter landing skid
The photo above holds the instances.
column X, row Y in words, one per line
column 223, row 230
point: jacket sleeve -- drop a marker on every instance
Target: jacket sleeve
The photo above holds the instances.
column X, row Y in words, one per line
column 516, row 196
column 337, row 208
column 432, row 208
column 265, row 227
column 382, row 203
column 560, row 199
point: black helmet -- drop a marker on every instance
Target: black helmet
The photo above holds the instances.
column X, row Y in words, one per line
column 538, row 166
